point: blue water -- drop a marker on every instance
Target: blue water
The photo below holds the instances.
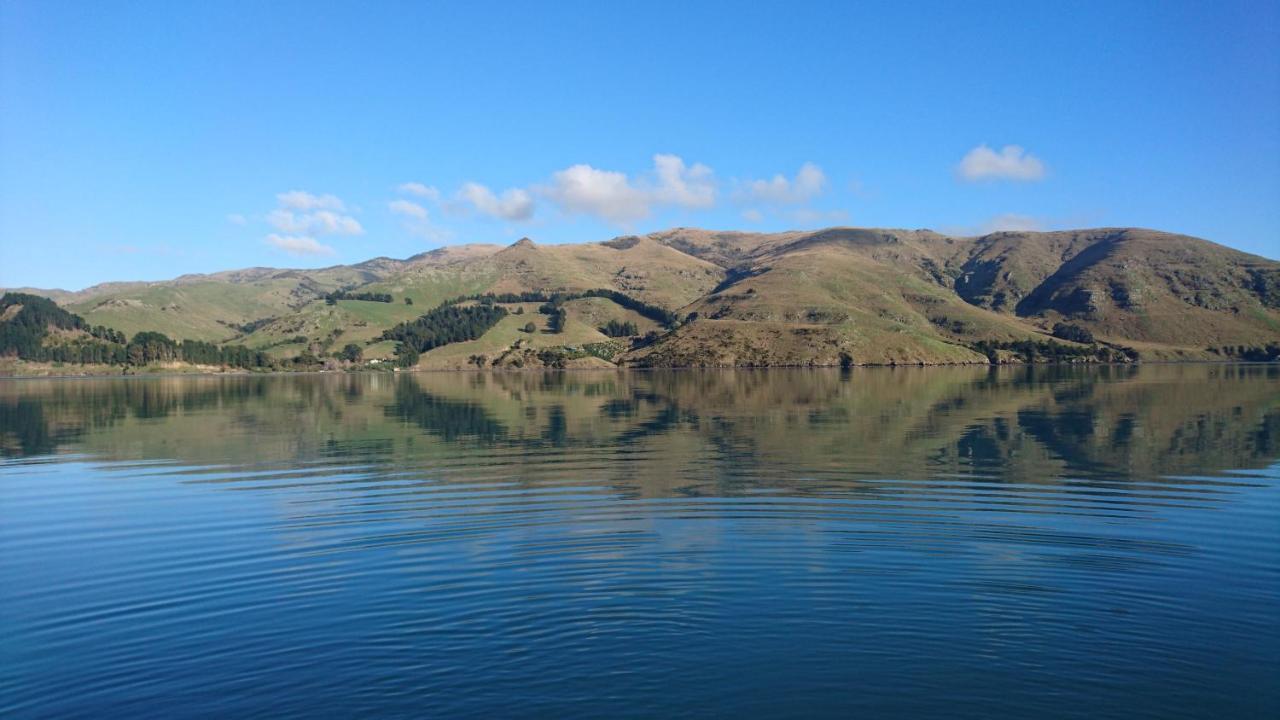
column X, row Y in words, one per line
column 968, row 542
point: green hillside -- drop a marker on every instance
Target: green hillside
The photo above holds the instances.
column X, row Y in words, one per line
column 829, row 297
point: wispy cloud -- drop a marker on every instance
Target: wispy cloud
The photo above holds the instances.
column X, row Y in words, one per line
column 299, row 245
column 408, row 209
column 1004, row 222
column 237, row 219
column 417, row 189
column 300, row 216
column 809, row 182
column 787, row 197
column 302, row 213
column 1011, row 163
column 320, row 222
column 303, row 200
column 416, row 220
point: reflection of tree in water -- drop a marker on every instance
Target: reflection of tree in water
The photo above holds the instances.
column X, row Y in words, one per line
column 450, row 419
column 1041, row 422
column 24, row 430
column 63, row 411
column 1267, row 439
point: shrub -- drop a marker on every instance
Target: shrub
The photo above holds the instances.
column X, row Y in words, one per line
column 1074, row 333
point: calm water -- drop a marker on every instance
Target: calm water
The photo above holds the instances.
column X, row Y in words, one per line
column 1073, row 542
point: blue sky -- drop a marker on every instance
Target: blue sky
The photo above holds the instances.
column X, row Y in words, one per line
column 146, row 140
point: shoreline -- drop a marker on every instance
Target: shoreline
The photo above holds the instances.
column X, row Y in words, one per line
column 517, row 371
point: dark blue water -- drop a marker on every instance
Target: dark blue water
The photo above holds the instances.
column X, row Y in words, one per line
column 1050, row 543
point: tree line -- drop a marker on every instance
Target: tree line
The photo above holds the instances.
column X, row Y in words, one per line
column 337, row 295
column 1052, row 351
column 1250, row 353
column 24, row 333
column 658, row 314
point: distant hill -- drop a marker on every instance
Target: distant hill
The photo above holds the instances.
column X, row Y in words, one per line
column 829, row 297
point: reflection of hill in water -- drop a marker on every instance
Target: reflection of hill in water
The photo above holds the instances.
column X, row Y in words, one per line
column 679, row 432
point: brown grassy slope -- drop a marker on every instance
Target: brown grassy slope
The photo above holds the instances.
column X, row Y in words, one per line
column 820, row 298
column 909, row 296
column 767, row 298
column 1154, row 287
column 639, row 267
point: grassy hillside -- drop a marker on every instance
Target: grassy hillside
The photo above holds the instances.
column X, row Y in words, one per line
column 840, row 295
column 894, row 295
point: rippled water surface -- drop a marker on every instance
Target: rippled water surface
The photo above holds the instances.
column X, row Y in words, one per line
column 1069, row 542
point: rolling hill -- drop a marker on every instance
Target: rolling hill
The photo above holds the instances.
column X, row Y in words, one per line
column 829, row 297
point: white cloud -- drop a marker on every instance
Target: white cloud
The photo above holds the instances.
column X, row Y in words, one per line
column 302, row 200
column 692, row 187
column 300, row 216
column 320, row 222
column 808, row 183
column 617, row 198
column 419, row 190
column 298, row 245
column 236, row 219
column 582, row 189
column 407, row 208
column 752, row 215
column 514, row 204
column 1011, row 163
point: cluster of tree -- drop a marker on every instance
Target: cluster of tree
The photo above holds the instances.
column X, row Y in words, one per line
column 506, row 298
column 148, row 347
column 614, row 328
column 406, row 356
column 79, row 352
column 556, row 315
column 1074, row 333
column 24, row 330
column 653, row 312
column 1052, row 351
column 441, row 326
column 337, row 295
column 25, row 333
column 206, row 353
column 1251, row 353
